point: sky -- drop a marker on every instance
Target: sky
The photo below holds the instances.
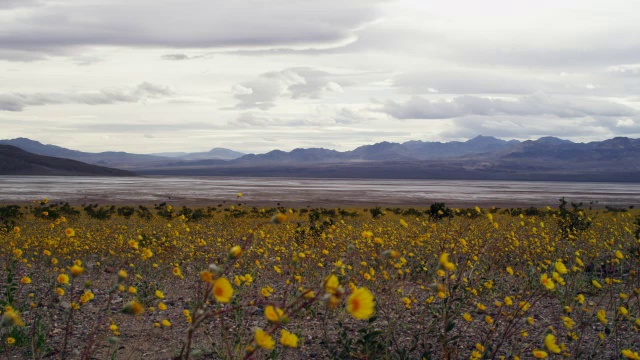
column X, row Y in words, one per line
column 149, row 76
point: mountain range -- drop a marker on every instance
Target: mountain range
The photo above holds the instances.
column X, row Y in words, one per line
column 15, row 161
column 482, row 158
column 118, row 159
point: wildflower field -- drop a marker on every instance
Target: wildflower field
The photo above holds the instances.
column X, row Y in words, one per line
column 238, row 282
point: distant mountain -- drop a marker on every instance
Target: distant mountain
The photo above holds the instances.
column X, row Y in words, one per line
column 310, row 155
column 15, row 161
column 481, row 158
column 425, row 150
column 117, row 159
column 213, row 154
column 384, row 151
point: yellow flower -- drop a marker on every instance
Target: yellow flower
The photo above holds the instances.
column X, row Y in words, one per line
column 25, row 280
column 70, row 232
column 166, row 323
column 266, row 291
column 11, row 341
column 568, row 322
column 60, row 291
column 560, row 268
column 467, row 317
column 580, row 298
column 596, row 284
column 264, row 340
column 235, row 251
column 623, row 311
column 539, row 354
column 63, row 279
column 548, row 283
column 602, row 316
column 279, row 218
column 162, row 306
column 331, row 284
column 619, row 254
column 10, row 317
column 510, row 270
column 508, row 301
column 206, row 276
column 134, row 308
column 627, row 354
column 222, row 290
column 176, row 271
column 132, row 290
column 122, row 274
column 360, row 304
column 159, row 294
column 445, row 263
column 274, row 314
column 551, row 345
column 288, row 339
column 76, row 270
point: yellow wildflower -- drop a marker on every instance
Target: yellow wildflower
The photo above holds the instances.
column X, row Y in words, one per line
column 264, row 340
column 274, row 314
column 539, row 354
column 551, row 345
column 360, row 304
column 288, row 339
column 222, row 290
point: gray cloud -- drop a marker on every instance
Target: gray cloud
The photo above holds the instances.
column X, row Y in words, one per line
column 141, row 92
column 632, row 70
column 296, row 83
column 254, row 120
column 175, row 57
column 322, row 115
column 471, row 81
column 14, row 4
column 538, row 104
column 185, row 24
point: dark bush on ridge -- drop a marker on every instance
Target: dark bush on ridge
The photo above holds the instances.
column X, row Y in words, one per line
column 8, row 215
column 439, row 211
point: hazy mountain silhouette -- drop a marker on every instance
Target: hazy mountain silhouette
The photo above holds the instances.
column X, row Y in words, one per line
column 482, row 157
column 117, row 159
column 15, row 161
column 215, row 153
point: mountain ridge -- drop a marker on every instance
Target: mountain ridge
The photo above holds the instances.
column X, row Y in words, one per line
column 16, row 161
column 482, row 158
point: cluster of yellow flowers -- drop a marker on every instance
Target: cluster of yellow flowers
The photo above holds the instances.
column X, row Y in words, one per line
column 483, row 284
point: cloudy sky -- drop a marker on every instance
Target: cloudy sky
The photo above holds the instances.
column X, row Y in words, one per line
column 255, row 75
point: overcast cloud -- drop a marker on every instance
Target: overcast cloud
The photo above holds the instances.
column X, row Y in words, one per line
column 255, row 75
